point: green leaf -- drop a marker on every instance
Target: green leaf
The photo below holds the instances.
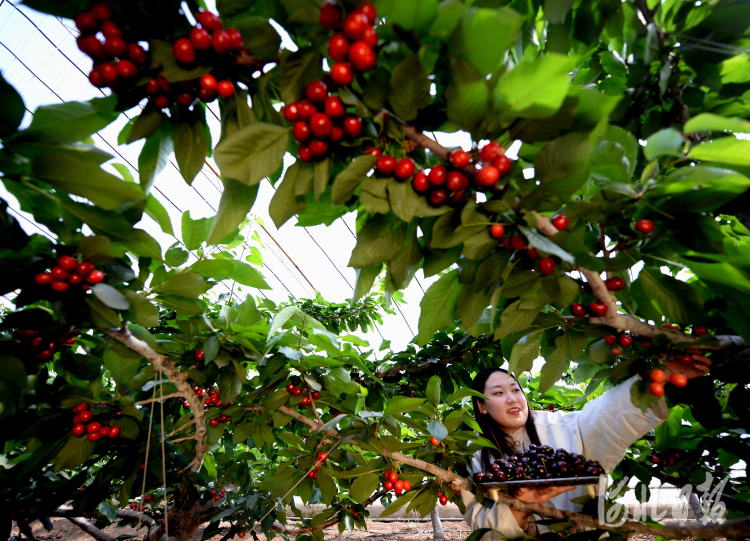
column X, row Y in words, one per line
column 284, row 203
column 432, row 391
column 700, row 188
column 84, row 178
column 164, row 63
column 363, row 281
column 13, row 108
column 536, row 88
column 483, row 35
column 181, row 305
column 553, row 367
column 542, row 243
column 75, row 453
column 403, row 405
column 678, row 301
column 711, row 122
column 414, row 15
column 159, row 214
column 175, row 255
column 299, row 69
column 668, row 432
column 409, row 88
column 230, row 386
column 252, row 153
column 514, row 319
column 110, row 296
column 437, row 429
column 523, row 354
column 727, row 150
column 400, row 502
column 322, row 172
column 406, row 260
column 437, row 306
column 666, row 142
column 281, row 318
column 326, row 485
column 363, row 487
column 189, row 147
column 642, row 397
column 471, row 304
column 378, row 241
column 154, row 157
column 467, row 96
column 258, row 35
column 347, row 181
column 145, row 125
column 248, row 276
column 189, row 285
column 194, row 232
column 236, row 201
column 12, row 373
column 72, row 120
column 141, row 310
column 102, row 315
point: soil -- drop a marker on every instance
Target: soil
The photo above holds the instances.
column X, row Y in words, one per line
column 63, row 530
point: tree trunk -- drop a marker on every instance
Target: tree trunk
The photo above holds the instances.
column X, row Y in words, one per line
column 437, row 527
column 695, row 506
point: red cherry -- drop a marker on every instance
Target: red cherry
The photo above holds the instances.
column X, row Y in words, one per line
column 598, row 308
column 291, row 113
column 110, row 30
column 86, row 22
column 209, row 21
column 352, row 126
column 226, row 89
column 92, row 47
column 60, row 286
column 337, row 134
column 678, row 380
column 532, row 253
column 221, row 41
column 404, row 169
column 85, row 416
column 625, row 341
column 372, row 151
column 355, row 25
column 214, row 422
column 297, row 391
column 114, row 432
column 371, row 36
column 503, row 164
column 518, row 242
column 108, row 73
column 330, row 15
column 58, row 273
column 241, row 535
column 656, row 389
column 104, row 431
column 369, row 11
column 316, row 396
column 610, row 340
column 334, row 108
column 318, row 148
column 200, row 354
column 75, row 280
column 236, row 42
column 95, row 277
column 362, row 56
column 497, row 230
column 407, row 485
column 434, row 441
column 657, row 375
column 560, row 222
column 420, row 182
column 301, row 132
column 183, row 51
column 316, row 92
column 644, row 226
column 95, row 78
column 68, row 263
column 208, row 82
column 546, row 265
column 115, row 46
column 304, row 154
column 101, row 11
column 398, row 485
column 437, row 175
column 388, row 485
column 126, row 69
column 577, row 310
column 305, row 400
column 456, row 181
column 490, row 151
column 670, row 326
column 437, row 197
column 78, row 430
column 80, row 407
column 617, row 351
column 43, row 278
column 321, row 125
column 700, row 330
column 305, row 110
column 92, row 436
column 443, row 499
column 137, row 54
column 341, row 73
column 200, row 38
column 93, row 427
column 338, row 47
column 385, row 164
column 460, row 158
column 487, row 176
column 85, row 268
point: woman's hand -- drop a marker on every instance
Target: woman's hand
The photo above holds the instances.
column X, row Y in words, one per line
column 697, row 368
column 541, row 494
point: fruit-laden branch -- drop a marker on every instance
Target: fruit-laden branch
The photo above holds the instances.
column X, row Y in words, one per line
column 178, row 379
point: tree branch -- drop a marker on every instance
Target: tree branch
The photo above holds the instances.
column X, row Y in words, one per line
column 179, row 380
column 69, row 512
column 90, row 529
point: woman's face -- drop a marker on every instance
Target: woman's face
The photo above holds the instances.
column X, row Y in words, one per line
column 506, row 405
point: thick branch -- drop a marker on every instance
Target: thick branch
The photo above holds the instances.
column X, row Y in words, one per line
column 179, row 380
column 424, row 141
column 69, row 512
column 90, row 529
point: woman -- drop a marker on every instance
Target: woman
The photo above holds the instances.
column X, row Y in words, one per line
column 602, row 431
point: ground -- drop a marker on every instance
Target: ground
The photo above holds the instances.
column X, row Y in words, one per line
column 63, row 530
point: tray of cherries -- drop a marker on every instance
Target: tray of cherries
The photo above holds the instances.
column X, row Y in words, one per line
column 539, row 466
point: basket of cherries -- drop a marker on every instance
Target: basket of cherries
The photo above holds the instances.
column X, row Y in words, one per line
column 538, row 466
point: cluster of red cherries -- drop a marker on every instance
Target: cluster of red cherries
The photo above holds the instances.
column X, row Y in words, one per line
column 407, row 390
column 70, row 272
column 299, row 391
column 322, row 457
column 218, row 494
column 82, row 424
column 392, row 482
column 41, row 347
column 213, row 399
column 117, row 63
column 443, row 498
column 539, row 462
column 513, row 240
column 625, row 340
column 353, row 47
column 319, row 119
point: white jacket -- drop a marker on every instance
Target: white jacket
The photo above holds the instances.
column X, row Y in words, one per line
column 602, row 430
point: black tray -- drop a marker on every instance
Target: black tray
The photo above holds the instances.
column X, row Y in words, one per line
column 490, row 490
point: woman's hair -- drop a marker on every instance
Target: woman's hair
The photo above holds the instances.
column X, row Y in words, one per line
column 491, row 430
